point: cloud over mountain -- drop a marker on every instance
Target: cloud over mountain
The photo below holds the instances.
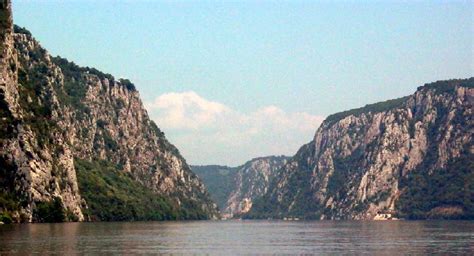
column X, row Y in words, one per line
column 210, row 132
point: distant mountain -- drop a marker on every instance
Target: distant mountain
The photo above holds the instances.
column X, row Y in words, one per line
column 235, row 189
column 411, row 158
column 219, row 181
column 77, row 144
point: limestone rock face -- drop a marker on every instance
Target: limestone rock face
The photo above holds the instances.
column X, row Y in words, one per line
column 53, row 111
column 251, row 181
column 34, row 168
column 236, row 188
column 395, row 157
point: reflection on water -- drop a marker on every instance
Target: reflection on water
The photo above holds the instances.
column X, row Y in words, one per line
column 220, row 237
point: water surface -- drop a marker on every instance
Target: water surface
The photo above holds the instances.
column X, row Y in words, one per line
column 240, row 237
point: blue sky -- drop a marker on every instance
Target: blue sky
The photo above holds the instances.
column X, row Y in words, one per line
column 276, row 67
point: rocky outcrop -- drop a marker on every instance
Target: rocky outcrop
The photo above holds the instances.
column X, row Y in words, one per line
column 251, row 181
column 408, row 157
column 236, row 188
column 33, row 168
column 54, row 112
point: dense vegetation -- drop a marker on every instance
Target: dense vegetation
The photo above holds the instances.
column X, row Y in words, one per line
column 427, row 193
column 218, row 180
column 9, row 200
column 114, row 195
column 447, row 86
column 373, row 108
column 52, row 211
column 21, row 30
column 76, row 73
column 129, row 85
column 70, row 69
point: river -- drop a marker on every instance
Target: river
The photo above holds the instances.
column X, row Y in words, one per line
column 240, row 237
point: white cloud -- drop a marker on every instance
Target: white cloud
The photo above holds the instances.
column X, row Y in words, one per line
column 208, row 132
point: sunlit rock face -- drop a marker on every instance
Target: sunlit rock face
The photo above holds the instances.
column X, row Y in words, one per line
column 34, row 166
column 408, row 157
column 53, row 111
column 236, row 188
column 251, row 181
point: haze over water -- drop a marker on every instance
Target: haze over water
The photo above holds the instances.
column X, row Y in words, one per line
column 240, row 237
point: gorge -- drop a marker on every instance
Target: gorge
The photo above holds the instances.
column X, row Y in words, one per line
column 77, row 144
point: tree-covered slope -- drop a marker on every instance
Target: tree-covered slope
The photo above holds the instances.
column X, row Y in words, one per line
column 113, row 195
column 218, row 180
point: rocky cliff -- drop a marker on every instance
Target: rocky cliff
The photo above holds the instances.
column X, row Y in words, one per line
column 55, row 114
column 236, row 188
column 411, row 157
column 251, row 181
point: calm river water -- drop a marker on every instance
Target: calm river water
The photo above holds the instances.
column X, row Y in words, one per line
column 240, row 237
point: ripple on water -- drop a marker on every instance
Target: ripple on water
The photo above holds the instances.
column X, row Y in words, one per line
column 240, row 237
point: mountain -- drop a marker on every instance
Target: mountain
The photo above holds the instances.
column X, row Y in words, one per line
column 219, row 181
column 76, row 143
column 251, row 182
column 408, row 158
column 235, row 188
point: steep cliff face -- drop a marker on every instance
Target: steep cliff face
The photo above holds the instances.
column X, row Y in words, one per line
column 55, row 113
column 251, row 181
column 35, row 168
column 108, row 121
column 235, row 188
column 410, row 157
